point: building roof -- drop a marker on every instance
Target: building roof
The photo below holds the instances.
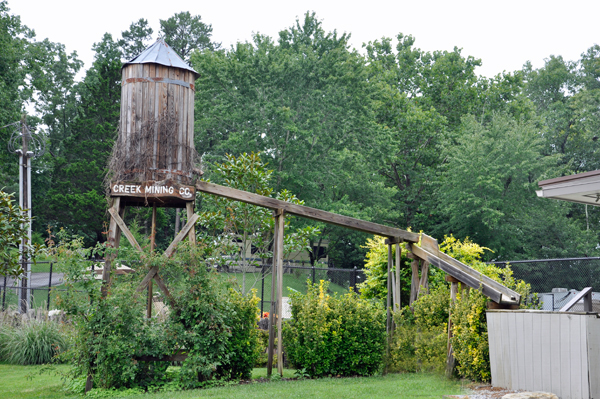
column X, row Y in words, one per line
column 163, row 54
column 583, row 188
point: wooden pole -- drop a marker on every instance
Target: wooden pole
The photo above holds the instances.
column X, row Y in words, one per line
column 272, row 312
column 112, row 243
column 152, row 245
column 278, row 241
column 189, row 207
column 389, row 297
column 450, row 360
column 414, row 284
column 398, row 260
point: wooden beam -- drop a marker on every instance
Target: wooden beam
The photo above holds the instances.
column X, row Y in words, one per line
column 389, row 296
column 450, row 360
column 307, row 212
column 124, row 229
column 424, row 282
column 153, row 270
column 467, row 275
column 163, row 288
column 182, row 234
column 414, row 282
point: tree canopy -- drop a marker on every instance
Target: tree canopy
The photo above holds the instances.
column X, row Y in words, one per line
column 390, row 133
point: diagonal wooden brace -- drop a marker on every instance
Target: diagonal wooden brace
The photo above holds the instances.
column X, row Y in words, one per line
column 182, row 234
column 164, row 289
column 151, row 273
column 124, row 229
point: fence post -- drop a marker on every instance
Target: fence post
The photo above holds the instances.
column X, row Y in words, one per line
column 262, row 291
column 313, row 274
column 49, row 287
column 4, row 294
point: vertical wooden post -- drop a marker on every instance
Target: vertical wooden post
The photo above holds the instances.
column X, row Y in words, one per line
column 398, row 260
column 424, row 281
column 190, row 212
column 278, row 241
column 273, row 310
column 152, row 245
column 450, row 360
column 112, row 243
column 414, row 284
column 389, row 297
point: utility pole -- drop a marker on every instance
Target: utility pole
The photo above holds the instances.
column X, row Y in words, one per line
column 22, row 137
column 25, row 204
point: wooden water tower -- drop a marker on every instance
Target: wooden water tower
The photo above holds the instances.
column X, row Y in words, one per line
column 153, row 160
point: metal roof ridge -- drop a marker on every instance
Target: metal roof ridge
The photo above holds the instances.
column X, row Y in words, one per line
column 160, row 53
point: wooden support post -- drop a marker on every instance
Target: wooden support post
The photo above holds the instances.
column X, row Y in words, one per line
column 190, row 213
column 450, row 360
column 112, row 243
column 152, row 244
column 398, row 264
column 424, row 281
column 414, row 283
column 274, row 305
column 389, row 327
column 278, row 243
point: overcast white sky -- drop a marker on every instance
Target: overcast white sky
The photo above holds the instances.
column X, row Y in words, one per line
column 504, row 34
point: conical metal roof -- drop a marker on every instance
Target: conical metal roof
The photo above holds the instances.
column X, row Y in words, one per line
column 161, row 53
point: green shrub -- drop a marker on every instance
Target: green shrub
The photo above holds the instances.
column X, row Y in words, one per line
column 33, row 342
column 420, row 339
column 334, row 335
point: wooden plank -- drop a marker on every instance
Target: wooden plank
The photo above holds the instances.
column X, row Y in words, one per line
column 450, row 360
column 153, row 270
column 306, row 212
column 179, row 356
column 278, row 241
column 125, row 230
column 429, row 244
column 490, row 288
column 182, row 234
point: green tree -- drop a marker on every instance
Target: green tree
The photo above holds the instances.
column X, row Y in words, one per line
column 488, row 192
column 76, row 199
column 135, row 39
column 187, row 33
column 13, row 229
column 245, row 232
column 303, row 103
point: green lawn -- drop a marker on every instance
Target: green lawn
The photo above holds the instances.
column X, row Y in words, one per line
column 18, row 382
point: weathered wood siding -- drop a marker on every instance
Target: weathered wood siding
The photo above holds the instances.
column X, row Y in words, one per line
column 556, row 352
column 150, row 92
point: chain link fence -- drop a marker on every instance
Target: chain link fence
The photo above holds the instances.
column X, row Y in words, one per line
column 556, row 281
column 43, row 279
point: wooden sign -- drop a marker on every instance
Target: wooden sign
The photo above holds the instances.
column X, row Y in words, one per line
column 167, row 192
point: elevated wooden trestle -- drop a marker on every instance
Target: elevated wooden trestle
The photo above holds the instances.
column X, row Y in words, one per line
column 422, row 249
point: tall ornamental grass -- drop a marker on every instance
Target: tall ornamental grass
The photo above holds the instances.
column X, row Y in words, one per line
column 33, row 342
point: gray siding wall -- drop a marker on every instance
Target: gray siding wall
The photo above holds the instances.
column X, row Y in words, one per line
column 556, row 352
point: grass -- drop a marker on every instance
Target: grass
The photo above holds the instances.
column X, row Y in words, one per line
column 18, row 382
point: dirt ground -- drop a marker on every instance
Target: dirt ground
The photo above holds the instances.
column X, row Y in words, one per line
column 482, row 392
